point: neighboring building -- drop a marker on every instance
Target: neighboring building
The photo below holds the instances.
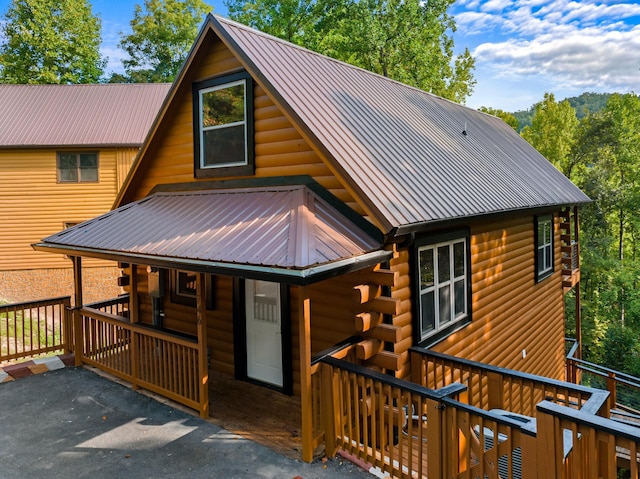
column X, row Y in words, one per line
column 65, row 150
column 286, row 202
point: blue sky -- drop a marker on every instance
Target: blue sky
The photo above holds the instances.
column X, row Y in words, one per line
column 523, row 48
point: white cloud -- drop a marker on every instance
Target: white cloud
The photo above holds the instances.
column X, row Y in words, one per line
column 559, row 44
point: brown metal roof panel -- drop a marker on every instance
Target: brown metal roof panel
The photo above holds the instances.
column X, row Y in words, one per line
column 402, row 147
column 78, row 115
column 284, row 227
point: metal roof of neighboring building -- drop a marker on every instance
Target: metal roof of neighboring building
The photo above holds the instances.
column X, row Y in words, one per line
column 115, row 114
column 415, row 158
column 288, row 232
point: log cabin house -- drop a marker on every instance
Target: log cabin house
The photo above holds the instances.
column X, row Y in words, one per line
column 65, row 150
column 301, row 225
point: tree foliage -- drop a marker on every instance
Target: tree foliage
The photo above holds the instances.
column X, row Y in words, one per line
column 601, row 154
column 407, row 40
column 162, row 33
column 507, row 117
column 52, row 42
column 552, row 132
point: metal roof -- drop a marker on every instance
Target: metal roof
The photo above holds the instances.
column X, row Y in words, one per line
column 281, row 230
column 414, row 157
column 117, row 114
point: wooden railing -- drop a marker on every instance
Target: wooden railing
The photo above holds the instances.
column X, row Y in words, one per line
column 624, row 389
column 490, row 387
column 377, row 418
column 158, row 361
column 410, row 431
column 34, row 328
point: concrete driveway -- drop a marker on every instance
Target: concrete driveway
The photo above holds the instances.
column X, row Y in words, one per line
column 73, row 423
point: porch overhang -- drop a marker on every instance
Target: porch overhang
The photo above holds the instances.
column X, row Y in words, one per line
column 288, row 234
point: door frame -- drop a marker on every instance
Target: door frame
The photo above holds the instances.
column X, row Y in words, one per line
column 240, row 337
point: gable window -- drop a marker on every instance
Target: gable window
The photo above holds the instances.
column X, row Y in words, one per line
column 77, row 167
column 444, row 289
column 544, row 247
column 223, row 117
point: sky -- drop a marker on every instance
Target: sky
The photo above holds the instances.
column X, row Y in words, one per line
column 523, row 48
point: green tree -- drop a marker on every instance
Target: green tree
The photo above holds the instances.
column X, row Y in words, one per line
column 291, row 20
column 508, row 118
column 406, row 40
column 552, row 132
column 49, row 41
column 162, row 33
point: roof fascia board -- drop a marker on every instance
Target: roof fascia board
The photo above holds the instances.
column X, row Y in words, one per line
column 163, row 110
column 464, row 220
column 301, row 277
column 320, row 149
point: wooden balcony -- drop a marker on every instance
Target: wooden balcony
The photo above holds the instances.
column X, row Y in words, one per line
column 569, row 248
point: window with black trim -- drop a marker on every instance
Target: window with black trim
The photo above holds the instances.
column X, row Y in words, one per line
column 223, row 126
column 544, row 247
column 184, row 288
column 77, row 167
column 444, row 286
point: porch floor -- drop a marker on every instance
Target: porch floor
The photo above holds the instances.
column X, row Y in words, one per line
column 265, row 416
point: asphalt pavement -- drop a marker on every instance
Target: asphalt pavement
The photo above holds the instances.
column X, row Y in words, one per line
column 73, row 423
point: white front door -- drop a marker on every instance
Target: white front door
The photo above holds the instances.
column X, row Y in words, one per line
column 264, row 338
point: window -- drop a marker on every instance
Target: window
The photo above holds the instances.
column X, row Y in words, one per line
column 76, row 167
column 544, row 247
column 184, row 288
column 442, row 275
column 223, row 114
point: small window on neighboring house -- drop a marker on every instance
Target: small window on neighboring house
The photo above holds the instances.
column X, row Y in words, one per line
column 223, row 115
column 77, row 167
column 444, row 289
column 544, row 247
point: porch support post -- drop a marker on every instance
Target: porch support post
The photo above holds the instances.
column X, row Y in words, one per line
column 306, row 399
column 203, row 367
column 133, row 294
column 77, row 318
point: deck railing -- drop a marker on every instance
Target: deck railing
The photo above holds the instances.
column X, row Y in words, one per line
column 624, row 389
column 34, row 328
column 409, row 431
column 490, row 387
column 155, row 360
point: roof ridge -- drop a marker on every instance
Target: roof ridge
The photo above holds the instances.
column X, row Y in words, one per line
column 308, row 51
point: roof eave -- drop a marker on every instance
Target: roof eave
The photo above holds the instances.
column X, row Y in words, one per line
column 404, row 230
column 298, row 277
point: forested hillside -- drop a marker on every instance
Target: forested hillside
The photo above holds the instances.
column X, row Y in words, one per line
column 594, row 139
column 583, row 104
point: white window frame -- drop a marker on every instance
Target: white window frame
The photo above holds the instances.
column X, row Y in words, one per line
column 203, row 129
column 438, row 285
column 544, row 267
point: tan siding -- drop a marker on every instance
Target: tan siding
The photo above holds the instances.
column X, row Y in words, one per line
column 34, row 205
column 512, row 313
column 280, row 150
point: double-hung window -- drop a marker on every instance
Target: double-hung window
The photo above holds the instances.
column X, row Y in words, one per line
column 544, row 247
column 223, row 116
column 443, row 280
column 77, row 167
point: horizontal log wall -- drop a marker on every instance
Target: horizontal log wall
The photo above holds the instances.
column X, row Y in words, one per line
column 511, row 312
column 34, row 205
column 280, row 150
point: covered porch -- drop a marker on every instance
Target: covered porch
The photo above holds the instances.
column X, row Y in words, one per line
column 193, row 282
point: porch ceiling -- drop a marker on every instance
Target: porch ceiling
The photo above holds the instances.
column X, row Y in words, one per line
column 288, row 233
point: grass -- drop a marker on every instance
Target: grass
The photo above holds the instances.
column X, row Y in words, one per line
column 24, row 333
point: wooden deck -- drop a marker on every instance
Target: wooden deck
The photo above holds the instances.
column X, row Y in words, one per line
column 265, row 416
